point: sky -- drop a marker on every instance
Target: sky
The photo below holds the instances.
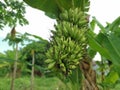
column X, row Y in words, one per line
column 39, row 24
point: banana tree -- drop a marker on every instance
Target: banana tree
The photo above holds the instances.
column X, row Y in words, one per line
column 106, row 42
column 4, row 64
column 7, row 61
column 67, row 56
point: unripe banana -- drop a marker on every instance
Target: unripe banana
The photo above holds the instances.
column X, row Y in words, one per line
column 72, row 67
column 51, row 65
column 49, row 61
column 68, row 42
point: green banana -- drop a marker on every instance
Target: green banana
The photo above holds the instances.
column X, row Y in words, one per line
column 68, row 42
column 51, row 65
column 49, row 61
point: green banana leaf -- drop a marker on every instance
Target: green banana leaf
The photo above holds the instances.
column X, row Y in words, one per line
column 53, row 8
column 111, row 44
column 2, row 59
column 108, row 41
column 4, row 64
column 100, row 25
column 111, row 78
column 114, row 26
column 48, row 6
column 36, row 37
column 5, row 61
column 95, row 45
column 75, row 79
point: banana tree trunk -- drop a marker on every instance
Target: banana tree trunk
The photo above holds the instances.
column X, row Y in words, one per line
column 89, row 82
column 15, row 68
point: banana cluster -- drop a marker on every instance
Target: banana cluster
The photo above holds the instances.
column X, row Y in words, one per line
column 68, row 42
column 75, row 16
column 68, row 30
column 64, row 55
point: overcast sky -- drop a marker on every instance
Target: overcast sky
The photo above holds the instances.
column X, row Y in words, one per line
column 39, row 24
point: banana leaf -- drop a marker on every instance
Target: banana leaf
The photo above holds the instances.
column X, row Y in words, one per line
column 114, row 26
column 99, row 25
column 4, row 64
column 53, row 8
column 111, row 44
column 109, row 41
column 111, row 78
column 5, row 59
column 95, row 45
column 75, row 79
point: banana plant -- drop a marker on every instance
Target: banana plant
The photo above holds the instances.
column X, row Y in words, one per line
column 4, row 60
column 106, row 42
column 7, row 62
column 67, row 56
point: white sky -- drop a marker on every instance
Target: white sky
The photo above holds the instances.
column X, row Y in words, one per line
column 39, row 24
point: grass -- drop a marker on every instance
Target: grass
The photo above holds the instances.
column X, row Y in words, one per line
column 23, row 83
column 43, row 83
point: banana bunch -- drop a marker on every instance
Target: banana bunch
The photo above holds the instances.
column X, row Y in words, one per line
column 64, row 55
column 68, row 42
column 75, row 16
column 67, row 29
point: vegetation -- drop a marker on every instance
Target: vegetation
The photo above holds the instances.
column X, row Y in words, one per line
column 12, row 13
column 40, row 48
column 68, row 46
column 106, row 42
column 23, row 83
column 67, row 56
column 66, row 61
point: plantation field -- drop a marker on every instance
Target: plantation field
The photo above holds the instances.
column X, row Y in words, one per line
column 40, row 84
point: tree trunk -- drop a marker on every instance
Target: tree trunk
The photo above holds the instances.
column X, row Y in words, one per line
column 15, row 68
column 32, row 73
column 89, row 82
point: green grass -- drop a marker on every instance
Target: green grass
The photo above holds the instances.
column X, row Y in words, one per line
column 43, row 83
column 40, row 83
